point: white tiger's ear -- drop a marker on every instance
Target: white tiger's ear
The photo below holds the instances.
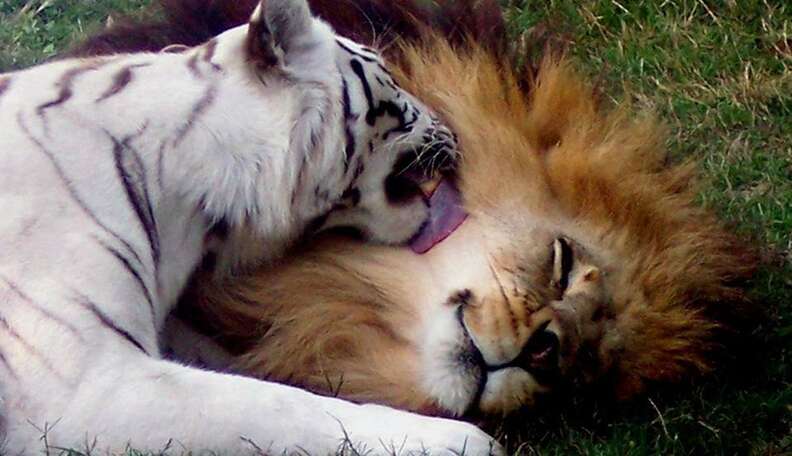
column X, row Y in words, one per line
column 276, row 27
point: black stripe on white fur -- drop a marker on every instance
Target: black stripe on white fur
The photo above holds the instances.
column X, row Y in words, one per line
column 200, row 108
column 134, row 273
column 31, row 350
column 39, row 309
column 7, row 365
column 367, row 58
column 90, row 306
column 72, row 191
column 65, row 89
column 132, row 173
column 5, row 84
column 120, row 81
column 349, row 116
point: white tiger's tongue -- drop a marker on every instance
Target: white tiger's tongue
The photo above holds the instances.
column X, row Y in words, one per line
column 445, row 216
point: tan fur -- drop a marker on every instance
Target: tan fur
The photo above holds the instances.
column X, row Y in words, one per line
column 338, row 317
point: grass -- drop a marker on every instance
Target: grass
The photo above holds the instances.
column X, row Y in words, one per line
column 34, row 30
column 719, row 74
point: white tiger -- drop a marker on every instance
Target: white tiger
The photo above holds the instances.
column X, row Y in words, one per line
column 116, row 170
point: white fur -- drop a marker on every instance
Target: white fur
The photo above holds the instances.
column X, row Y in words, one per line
column 453, row 384
column 69, row 376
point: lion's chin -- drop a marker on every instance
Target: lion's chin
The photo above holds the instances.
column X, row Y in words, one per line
column 459, row 383
column 481, row 394
column 508, row 390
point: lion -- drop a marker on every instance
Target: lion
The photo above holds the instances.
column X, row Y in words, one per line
column 584, row 259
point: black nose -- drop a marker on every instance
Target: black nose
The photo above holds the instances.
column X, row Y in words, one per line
column 540, row 354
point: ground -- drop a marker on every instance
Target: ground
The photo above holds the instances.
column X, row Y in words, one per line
column 720, row 74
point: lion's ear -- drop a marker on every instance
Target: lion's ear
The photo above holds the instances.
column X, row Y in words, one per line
column 276, row 27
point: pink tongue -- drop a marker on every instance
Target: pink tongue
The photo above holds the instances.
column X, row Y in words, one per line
column 445, row 216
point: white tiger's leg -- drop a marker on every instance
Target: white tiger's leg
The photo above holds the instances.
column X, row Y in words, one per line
column 182, row 343
column 133, row 400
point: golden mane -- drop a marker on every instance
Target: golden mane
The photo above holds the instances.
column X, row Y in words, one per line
column 678, row 265
column 541, row 146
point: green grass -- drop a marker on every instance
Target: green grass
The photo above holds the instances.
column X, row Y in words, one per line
column 719, row 75
column 34, row 30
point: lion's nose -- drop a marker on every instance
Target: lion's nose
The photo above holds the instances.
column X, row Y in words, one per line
column 540, row 354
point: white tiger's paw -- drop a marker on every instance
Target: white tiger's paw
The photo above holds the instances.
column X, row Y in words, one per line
column 390, row 432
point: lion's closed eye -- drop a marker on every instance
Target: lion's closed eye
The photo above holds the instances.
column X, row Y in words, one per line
column 563, row 261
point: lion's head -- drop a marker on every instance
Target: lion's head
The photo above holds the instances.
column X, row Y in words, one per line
column 585, row 258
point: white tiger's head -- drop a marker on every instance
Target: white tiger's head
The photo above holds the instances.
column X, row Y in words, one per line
column 389, row 143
